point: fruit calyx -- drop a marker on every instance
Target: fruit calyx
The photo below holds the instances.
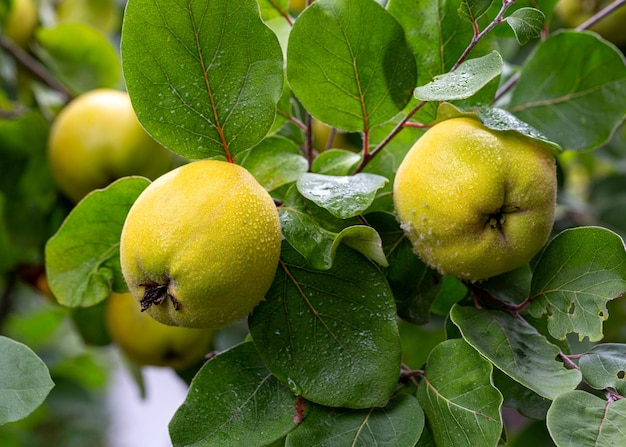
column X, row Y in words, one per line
column 156, row 294
column 496, row 220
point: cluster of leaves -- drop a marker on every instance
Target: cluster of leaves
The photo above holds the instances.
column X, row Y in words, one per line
column 358, row 342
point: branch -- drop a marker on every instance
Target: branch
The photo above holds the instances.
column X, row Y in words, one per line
column 583, row 26
column 478, row 36
column 34, row 67
column 600, row 15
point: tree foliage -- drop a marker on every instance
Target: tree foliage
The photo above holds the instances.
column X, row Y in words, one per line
column 357, row 342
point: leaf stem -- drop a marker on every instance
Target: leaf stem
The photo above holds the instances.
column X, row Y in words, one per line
column 308, row 143
column 478, row 36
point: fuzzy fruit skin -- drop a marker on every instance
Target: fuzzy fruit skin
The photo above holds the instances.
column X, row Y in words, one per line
column 474, row 202
column 97, row 139
column 210, row 233
column 148, row 342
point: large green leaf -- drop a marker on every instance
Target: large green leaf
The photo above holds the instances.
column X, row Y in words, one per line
column 24, row 381
column 580, row 270
column 461, row 404
column 397, row 424
column 81, row 57
column 82, row 258
column 346, row 72
column 331, row 336
column 415, row 286
column 438, row 35
column 604, row 367
column 233, row 401
column 204, row 76
column 517, row 349
column 581, row 419
column 573, row 90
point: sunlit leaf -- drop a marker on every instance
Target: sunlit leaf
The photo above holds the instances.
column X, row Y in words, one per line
column 82, row 258
column 566, row 91
column 346, row 72
column 24, row 381
column 218, row 95
column 233, row 401
column 469, row 78
column 577, row 274
column 330, row 335
column 273, row 8
column 517, row 349
column 584, row 420
column 397, row 424
column 461, row 404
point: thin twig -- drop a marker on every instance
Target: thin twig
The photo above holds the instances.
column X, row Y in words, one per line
column 600, row 15
column 34, row 67
column 478, row 36
column 583, row 26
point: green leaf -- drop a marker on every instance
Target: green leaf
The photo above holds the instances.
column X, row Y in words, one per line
column 566, row 91
column 271, row 9
column 584, row 420
column 342, row 196
column 415, row 286
column 346, row 72
column 469, row 78
column 472, row 10
column 218, row 96
column 438, row 36
column 397, row 424
column 498, row 119
column 526, row 23
column 24, row 381
column 579, row 271
column 461, row 404
column 81, row 57
column 331, row 336
column 517, row 349
column 82, row 258
column 604, row 366
column 316, row 234
column 518, row 397
column 335, row 162
column 275, row 162
column 233, row 401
